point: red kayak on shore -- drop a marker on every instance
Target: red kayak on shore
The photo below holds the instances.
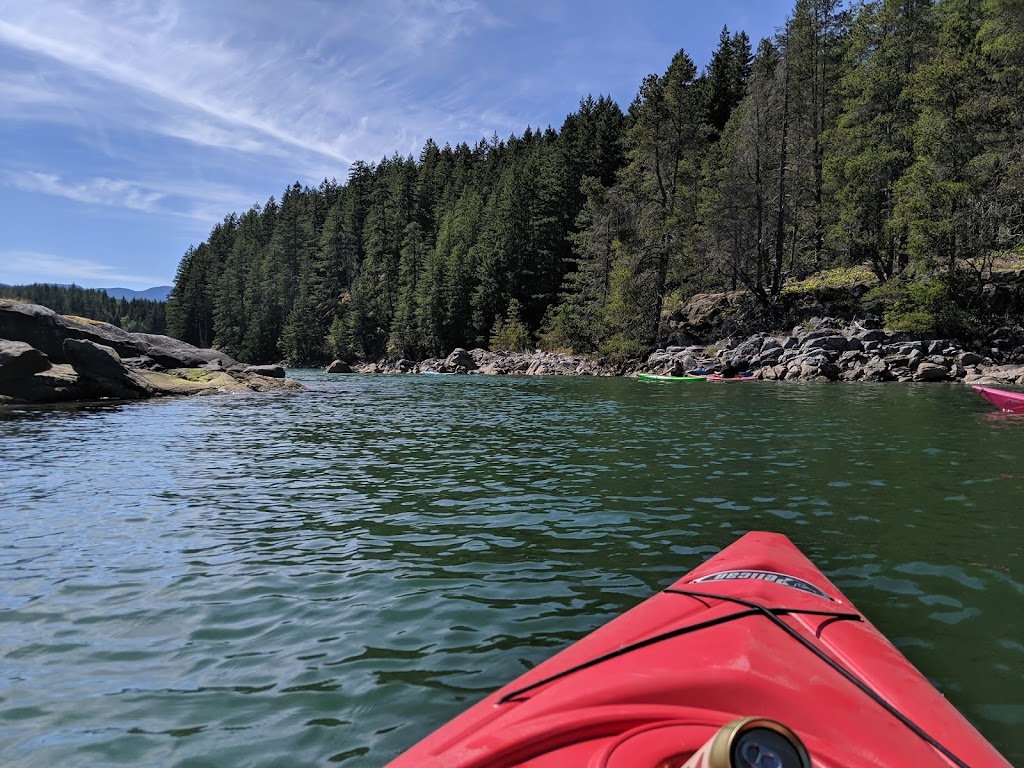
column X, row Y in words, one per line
column 754, row 659
column 1011, row 402
column 717, row 377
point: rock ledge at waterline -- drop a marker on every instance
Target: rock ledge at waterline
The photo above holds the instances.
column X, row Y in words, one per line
column 820, row 350
column 50, row 358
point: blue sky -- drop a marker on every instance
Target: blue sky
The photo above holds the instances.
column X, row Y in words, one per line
column 131, row 127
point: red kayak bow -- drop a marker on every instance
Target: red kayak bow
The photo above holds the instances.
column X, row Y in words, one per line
column 756, row 632
column 1011, row 402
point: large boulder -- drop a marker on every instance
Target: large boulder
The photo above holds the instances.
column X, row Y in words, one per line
column 929, row 371
column 56, row 384
column 173, row 353
column 816, row 367
column 272, row 371
column 460, row 358
column 46, row 358
column 831, row 341
column 18, row 359
column 101, row 367
column 703, row 311
column 45, row 330
column 339, row 366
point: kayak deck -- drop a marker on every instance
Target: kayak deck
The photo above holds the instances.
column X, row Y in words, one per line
column 756, row 630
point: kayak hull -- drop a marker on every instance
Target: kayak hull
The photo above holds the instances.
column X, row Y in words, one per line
column 1011, row 402
column 757, row 630
column 718, row 379
column 674, row 379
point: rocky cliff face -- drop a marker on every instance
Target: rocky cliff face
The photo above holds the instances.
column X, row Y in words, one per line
column 46, row 357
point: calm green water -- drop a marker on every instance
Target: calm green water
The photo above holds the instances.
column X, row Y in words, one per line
column 324, row 577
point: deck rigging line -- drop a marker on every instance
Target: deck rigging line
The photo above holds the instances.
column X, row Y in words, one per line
column 751, row 608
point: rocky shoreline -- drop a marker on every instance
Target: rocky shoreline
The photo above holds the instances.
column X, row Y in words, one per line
column 819, row 350
column 50, row 358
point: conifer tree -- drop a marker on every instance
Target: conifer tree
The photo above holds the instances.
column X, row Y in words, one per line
column 666, row 142
column 872, row 145
column 190, row 307
column 406, row 337
column 230, row 312
column 726, row 78
column 935, row 198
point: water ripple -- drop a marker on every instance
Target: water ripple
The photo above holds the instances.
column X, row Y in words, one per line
column 325, row 577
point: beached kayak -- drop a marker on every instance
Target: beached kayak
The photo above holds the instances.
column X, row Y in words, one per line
column 718, row 378
column 1012, row 402
column 676, row 379
column 755, row 632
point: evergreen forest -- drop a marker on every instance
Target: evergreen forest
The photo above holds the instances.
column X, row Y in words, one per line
column 132, row 315
column 886, row 135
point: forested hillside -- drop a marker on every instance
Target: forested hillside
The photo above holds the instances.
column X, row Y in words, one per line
column 134, row 315
column 889, row 134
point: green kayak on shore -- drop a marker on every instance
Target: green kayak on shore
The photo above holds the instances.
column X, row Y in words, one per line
column 660, row 377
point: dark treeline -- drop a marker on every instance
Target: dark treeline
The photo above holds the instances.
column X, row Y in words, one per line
column 888, row 134
column 134, row 316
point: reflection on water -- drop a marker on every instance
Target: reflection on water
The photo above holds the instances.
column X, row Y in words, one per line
column 327, row 576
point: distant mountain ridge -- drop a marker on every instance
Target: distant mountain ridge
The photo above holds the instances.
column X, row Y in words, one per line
column 132, row 311
column 158, row 293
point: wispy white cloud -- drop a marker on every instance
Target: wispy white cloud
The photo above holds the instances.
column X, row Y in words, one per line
column 98, row 191
column 156, row 118
column 217, row 136
column 305, row 79
column 207, row 202
column 47, row 267
column 27, row 92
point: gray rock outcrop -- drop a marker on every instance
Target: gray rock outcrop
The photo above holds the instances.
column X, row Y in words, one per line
column 273, row 371
column 173, row 353
column 46, row 358
column 339, row 366
column 46, row 330
column 18, row 359
column 101, row 371
column 460, row 361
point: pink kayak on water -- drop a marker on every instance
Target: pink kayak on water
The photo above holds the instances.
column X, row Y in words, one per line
column 1011, row 402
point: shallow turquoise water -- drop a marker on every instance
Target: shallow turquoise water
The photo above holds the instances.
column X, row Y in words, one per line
column 324, row 577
